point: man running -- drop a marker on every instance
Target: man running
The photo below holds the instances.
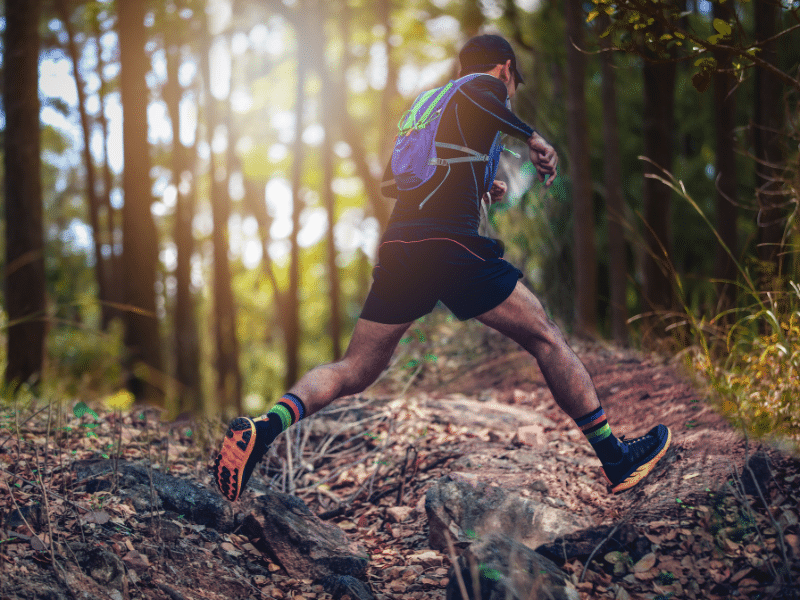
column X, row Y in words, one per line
column 431, row 252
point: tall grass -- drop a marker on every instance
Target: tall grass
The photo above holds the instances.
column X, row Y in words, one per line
column 748, row 357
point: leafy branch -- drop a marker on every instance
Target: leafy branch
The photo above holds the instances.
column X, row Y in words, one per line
column 658, row 25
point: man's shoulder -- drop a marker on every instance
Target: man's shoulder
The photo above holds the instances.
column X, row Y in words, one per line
column 485, row 82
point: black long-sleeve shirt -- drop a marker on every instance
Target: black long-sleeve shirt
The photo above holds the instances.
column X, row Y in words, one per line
column 472, row 118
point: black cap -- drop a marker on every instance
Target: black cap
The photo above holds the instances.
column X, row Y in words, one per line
column 487, row 51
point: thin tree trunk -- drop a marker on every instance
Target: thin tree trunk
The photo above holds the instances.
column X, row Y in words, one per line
column 228, row 374
column 659, row 102
column 585, row 253
column 351, row 132
column 768, row 124
column 389, row 94
column 91, row 188
column 292, row 330
column 727, row 213
column 113, row 262
column 330, row 119
column 24, row 232
column 186, row 345
column 140, row 241
column 615, row 205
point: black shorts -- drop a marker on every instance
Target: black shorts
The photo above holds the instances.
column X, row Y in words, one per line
column 467, row 273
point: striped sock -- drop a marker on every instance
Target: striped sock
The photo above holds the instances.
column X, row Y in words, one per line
column 288, row 411
column 597, row 430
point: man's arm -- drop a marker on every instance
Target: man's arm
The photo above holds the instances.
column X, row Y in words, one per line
column 488, row 95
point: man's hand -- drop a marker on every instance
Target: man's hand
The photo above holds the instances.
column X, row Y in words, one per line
column 544, row 158
column 497, row 192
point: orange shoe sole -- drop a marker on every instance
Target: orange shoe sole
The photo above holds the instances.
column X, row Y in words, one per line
column 644, row 470
column 229, row 466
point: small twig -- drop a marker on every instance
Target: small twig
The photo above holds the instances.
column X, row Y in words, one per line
column 324, row 447
column 456, row 567
column 600, row 545
column 289, row 462
column 16, row 506
column 16, row 413
column 33, row 484
column 411, row 379
column 172, row 593
column 401, row 491
column 46, row 509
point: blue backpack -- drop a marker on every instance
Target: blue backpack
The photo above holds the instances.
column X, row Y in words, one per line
column 414, row 159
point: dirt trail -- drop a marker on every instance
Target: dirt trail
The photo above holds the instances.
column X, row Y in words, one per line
column 460, row 413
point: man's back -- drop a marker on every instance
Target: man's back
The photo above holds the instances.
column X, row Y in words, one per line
column 472, row 118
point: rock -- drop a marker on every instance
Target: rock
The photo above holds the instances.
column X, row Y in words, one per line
column 468, row 510
column 530, row 435
column 398, row 514
column 339, row 585
column 197, row 503
column 103, row 566
column 580, row 544
column 504, row 569
column 284, row 528
column 757, row 466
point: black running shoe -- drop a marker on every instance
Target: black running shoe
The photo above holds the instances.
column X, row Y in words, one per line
column 639, row 458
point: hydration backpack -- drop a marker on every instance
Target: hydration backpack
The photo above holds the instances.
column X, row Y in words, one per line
column 414, row 159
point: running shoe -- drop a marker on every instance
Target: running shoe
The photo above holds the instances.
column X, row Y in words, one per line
column 639, row 458
column 236, row 459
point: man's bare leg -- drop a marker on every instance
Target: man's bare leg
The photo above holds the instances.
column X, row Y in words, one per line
column 368, row 354
column 521, row 317
column 247, row 440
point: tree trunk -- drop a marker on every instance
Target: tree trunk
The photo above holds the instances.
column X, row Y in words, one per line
column 186, row 345
column 585, row 253
column 100, row 267
column 659, row 102
column 727, row 213
column 330, row 119
column 113, row 262
column 292, row 329
column 379, row 206
column 140, row 241
column 615, row 205
column 767, row 125
column 229, row 384
column 25, row 276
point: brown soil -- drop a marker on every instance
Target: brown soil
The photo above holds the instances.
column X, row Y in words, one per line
column 457, row 413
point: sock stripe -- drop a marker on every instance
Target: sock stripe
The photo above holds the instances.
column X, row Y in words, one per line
column 296, row 405
column 282, row 411
column 592, row 424
column 599, row 435
column 292, row 407
column 590, row 430
column 590, row 418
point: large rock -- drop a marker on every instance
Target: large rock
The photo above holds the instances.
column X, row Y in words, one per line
column 284, row 528
column 500, row 568
column 195, row 502
column 468, row 509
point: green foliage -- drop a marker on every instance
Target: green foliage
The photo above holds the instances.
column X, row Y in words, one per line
column 749, row 355
column 85, row 359
column 663, row 30
column 758, row 382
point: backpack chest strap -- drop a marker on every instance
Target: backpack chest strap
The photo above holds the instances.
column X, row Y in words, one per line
column 473, row 155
